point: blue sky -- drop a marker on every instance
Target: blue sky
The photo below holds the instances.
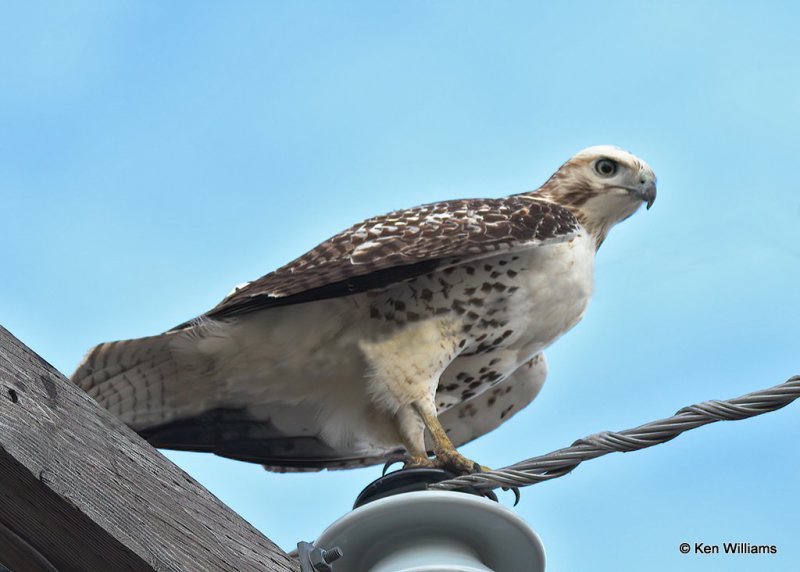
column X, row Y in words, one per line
column 152, row 156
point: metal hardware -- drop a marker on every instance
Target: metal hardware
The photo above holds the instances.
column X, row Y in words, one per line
column 315, row 559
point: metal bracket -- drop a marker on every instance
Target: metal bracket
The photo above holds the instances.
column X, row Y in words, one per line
column 314, row 559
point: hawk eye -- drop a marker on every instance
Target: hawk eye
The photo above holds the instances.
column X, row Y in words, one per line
column 605, row 167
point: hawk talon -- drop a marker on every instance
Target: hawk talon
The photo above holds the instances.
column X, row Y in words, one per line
column 389, row 463
column 517, row 495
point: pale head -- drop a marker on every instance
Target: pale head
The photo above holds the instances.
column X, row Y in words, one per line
column 601, row 185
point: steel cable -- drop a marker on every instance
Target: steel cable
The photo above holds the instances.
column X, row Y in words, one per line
column 560, row 462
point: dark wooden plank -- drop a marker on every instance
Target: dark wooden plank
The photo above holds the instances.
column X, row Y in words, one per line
column 80, row 491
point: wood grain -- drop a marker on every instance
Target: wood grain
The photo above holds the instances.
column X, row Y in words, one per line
column 80, row 491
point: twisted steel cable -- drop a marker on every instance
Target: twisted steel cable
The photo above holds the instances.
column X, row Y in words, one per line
column 560, row 462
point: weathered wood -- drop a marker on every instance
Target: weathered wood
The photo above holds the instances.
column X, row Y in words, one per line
column 80, row 491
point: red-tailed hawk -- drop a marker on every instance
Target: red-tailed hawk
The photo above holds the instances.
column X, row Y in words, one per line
column 432, row 318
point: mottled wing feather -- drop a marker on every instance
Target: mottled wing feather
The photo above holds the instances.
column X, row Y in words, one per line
column 402, row 244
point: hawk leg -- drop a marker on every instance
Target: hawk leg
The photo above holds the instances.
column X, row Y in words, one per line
column 412, row 432
column 445, row 454
column 405, row 369
column 411, row 421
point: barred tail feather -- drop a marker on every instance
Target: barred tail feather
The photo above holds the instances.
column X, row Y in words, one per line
column 128, row 378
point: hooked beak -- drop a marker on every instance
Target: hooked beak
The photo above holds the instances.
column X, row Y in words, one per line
column 646, row 192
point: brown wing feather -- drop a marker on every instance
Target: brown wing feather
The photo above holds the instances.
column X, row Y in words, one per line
column 403, row 244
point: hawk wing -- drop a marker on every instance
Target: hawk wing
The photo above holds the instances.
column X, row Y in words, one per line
column 234, row 434
column 401, row 245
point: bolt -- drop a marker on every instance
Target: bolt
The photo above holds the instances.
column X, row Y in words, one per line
column 332, row 555
column 321, row 559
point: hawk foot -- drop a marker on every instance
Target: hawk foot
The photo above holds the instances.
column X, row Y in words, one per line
column 453, row 461
column 416, row 462
column 409, row 462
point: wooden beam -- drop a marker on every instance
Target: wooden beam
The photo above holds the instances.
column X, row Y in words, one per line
column 81, row 491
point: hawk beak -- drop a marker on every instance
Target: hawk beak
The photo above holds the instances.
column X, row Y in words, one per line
column 647, row 192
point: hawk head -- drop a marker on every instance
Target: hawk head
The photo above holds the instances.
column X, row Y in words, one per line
column 601, row 185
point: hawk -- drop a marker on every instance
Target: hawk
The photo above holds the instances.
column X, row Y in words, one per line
column 411, row 332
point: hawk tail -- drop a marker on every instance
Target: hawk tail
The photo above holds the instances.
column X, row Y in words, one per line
column 128, row 378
